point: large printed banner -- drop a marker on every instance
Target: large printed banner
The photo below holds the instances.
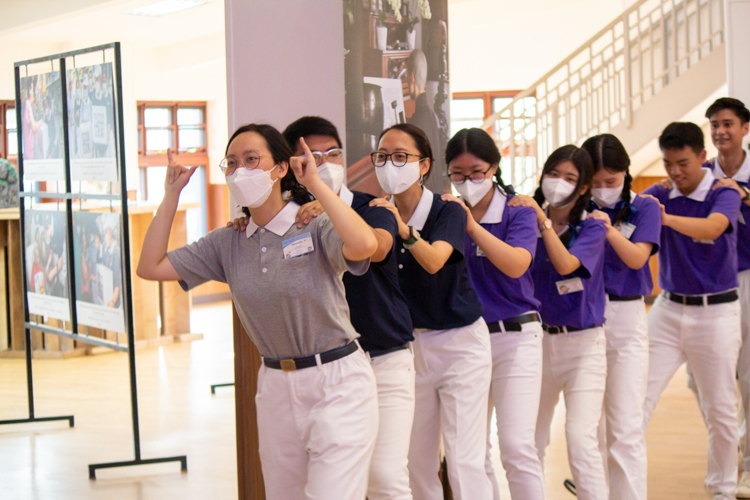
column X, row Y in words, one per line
column 98, row 273
column 42, row 132
column 47, row 264
column 91, row 123
column 396, row 72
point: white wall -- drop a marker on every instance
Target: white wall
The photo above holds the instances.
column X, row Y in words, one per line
column 509, row 44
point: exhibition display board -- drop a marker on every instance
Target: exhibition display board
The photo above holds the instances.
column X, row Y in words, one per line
column 75, row 248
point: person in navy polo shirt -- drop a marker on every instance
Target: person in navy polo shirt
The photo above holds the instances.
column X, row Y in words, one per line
column 633, row 226
column 568, row 280
column 377, row 307
column 696, row 319
column 452, row 343
column 500, row 241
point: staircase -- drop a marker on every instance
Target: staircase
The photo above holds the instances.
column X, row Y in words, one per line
column 650, row 66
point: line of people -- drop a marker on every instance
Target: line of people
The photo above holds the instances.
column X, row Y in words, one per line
column 391, row 327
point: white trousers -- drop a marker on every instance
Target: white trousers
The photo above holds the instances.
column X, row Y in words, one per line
column 621, row 436
column 707, row 337
column 389, row 473
column 514, row 392
column 317, row 429
column 575, row 364
column 454, row 368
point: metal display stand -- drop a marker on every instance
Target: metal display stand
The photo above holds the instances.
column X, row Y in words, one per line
column 68, row 197
column 214, row 386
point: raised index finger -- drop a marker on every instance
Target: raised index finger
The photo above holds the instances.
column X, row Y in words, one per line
column 170, row 160
column 305, row 148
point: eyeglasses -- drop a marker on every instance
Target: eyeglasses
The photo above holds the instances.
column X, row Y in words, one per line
column 475, row 177
column 398, row 159
column 249, row 160
column 333, row 154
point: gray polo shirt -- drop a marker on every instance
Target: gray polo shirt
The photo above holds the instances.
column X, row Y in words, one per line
column 290, row 307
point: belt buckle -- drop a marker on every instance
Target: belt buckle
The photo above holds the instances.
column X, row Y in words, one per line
column 288, row 365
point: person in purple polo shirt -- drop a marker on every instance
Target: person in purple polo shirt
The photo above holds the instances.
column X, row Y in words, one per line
column 633, row 226
column 500, row 241
column 568, row 280
column 696, row 319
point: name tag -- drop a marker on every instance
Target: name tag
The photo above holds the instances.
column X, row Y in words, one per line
column 480, row 253
column 299, row 245
column 626, row 229
column 572, row 285
column 705, row 242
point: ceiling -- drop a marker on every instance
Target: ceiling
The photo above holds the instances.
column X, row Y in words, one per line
column 90, row 22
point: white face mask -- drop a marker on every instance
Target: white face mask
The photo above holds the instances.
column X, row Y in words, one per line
column 473, row 192
column 556, row 191
column 396, row 180
column 332, row 174
column 607, row 197
column 250, row 188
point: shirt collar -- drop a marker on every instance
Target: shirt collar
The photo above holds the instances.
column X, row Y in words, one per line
column 346, row 195
column 280, row 224
column 742, row 175
column 699, row 193
column 494, row 213
column 419, row 217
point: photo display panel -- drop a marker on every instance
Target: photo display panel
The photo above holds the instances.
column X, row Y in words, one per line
column 91, row 123
column 98, row 271
column 42, row 127
column 45, row 236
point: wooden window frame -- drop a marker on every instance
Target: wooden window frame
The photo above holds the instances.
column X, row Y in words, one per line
column 4, row 106
column 487, row 97
column 156, row 159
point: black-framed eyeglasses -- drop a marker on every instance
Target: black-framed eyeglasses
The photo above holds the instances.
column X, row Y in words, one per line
column 475, row 177
column 334, row 154
column 399, row 159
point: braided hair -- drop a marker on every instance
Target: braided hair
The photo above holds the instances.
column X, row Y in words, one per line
column 607, row 152
column 582, row 161
column 281, row 153
column 477, row 142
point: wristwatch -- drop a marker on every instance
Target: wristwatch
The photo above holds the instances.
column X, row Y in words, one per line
column 745, row 190
column 412, row 239
column 547, row 224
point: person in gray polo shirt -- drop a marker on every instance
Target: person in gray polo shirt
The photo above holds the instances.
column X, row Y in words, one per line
column 316, row 400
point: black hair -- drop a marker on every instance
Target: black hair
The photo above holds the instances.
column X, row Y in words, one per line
column 477, row 142
column 607, row 152
column 307, row 126
column 281, row 153
column 420, row 140
column 735, row 105
column 679, row 135
column 582, row 161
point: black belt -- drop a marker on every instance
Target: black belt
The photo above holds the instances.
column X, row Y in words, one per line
column 289, row 365
column 513, row 324
column 554, row 330
column 374, row 353
column 700, row 300
column 624, row 298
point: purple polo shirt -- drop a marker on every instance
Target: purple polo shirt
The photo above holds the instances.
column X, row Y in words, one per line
column 503, row 297
column 691, row 267
column 742, row 177
column 583, row 309
column 619, row 279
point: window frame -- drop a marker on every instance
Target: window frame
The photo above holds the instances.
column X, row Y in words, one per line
column 148, row 158
column 487, row 98
column 4, row 106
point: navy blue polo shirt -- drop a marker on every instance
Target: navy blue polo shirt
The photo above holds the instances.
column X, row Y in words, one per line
column 377, row 307
column 445, row 299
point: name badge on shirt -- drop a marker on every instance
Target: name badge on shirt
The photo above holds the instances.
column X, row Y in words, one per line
column 572, row 285
column 626, row 229
column 705, row 242
column 480, row 253
column 299, row 245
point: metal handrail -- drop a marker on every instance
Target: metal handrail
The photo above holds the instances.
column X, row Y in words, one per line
column 604, row 81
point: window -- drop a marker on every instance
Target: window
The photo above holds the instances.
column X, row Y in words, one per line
column 470, row 109
column 8, row 130
column 178, row 126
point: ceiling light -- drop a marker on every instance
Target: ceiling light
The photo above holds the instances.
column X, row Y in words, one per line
column 165, row 7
